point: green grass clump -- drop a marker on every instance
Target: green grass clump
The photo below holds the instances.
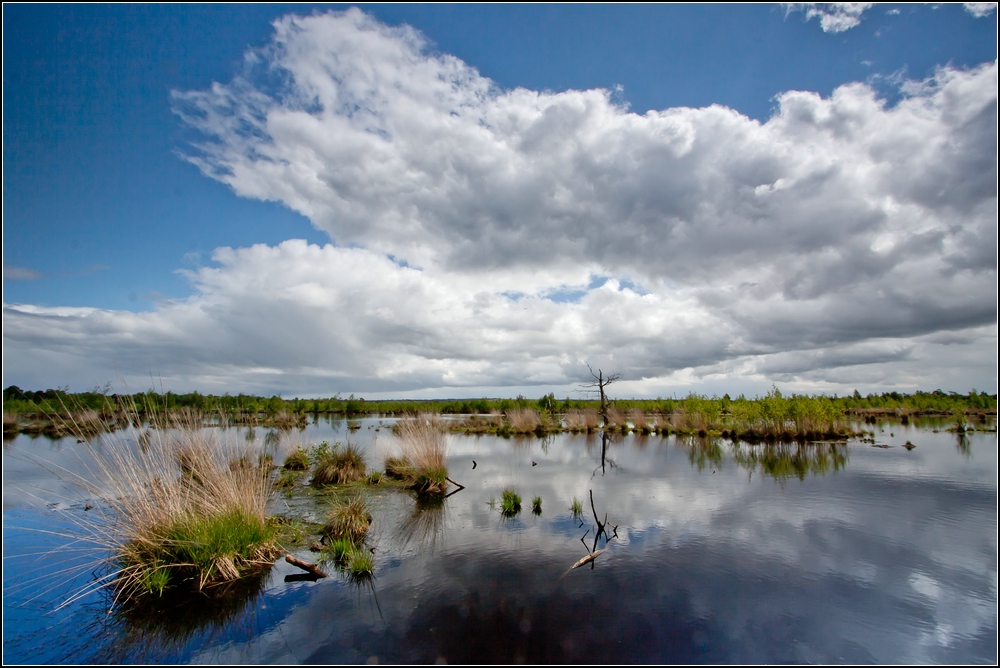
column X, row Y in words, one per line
column 399, row 468
column 344, row 535
column 339, row 549
column 348, row 519
column 360, row 561
column 340, row 466
column 375, row 477
column 297, row 460
column 184, row 510
column 576, row 508
column 536, row 505
column 510, row 503
column 199, row 548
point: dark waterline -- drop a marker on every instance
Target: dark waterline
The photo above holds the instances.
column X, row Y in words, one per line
column 863, row 555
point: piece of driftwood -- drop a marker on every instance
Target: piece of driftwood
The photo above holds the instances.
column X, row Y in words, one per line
column 306, row 566
column 589, row 558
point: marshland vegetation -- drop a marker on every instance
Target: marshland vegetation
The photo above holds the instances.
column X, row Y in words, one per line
column 60, row 413
column 337, row 464
column 421, row 462
column 347, row 525
column 184, row 511
column 510, row 502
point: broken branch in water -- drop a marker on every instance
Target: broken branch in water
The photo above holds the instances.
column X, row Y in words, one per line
column 589, row 558
column 306, row 566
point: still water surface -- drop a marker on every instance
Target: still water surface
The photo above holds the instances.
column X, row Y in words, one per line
column 832, row 554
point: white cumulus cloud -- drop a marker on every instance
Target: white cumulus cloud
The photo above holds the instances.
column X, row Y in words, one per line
column 980, row 9
column 833, row 16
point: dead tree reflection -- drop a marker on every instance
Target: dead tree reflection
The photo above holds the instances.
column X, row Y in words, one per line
column 606, row 440
column 601, row 530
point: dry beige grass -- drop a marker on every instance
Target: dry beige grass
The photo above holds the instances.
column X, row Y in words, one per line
column 523, row 420
column 639, row 420
column 423, row 447
column 586, row 419
column 422, row 442
column 616, row 417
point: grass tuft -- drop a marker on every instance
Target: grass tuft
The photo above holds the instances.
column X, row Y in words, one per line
column 576, row 508
column 360, row 561
column 339, row 467
column 348, row 519
column 175, row 511
column 536, row 505
column 399, row 468
column 422, row 464
column 582, row 420
column 523, row 420
column 297, row 460
column 510, row 503
column 340, row 549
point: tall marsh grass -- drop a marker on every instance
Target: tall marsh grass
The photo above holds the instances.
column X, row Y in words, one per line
column 421, row 462
column 585, row 419
column 524, row 420
column 175, row 509
column 616, row 418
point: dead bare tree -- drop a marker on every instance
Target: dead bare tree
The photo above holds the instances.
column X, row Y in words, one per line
column 600, row 382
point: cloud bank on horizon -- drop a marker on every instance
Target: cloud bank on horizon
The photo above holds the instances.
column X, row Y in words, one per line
column 489, row 238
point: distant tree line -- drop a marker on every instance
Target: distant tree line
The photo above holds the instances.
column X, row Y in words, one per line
column 41, row 403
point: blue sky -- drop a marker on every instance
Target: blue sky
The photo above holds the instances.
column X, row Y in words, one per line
column 110, row 200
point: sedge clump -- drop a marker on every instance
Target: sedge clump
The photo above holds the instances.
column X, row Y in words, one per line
column 510, row 503
column 422, row 462
column 183, row 510
column 339, row 466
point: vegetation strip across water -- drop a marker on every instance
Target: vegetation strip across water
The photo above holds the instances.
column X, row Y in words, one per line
column 60, row 413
